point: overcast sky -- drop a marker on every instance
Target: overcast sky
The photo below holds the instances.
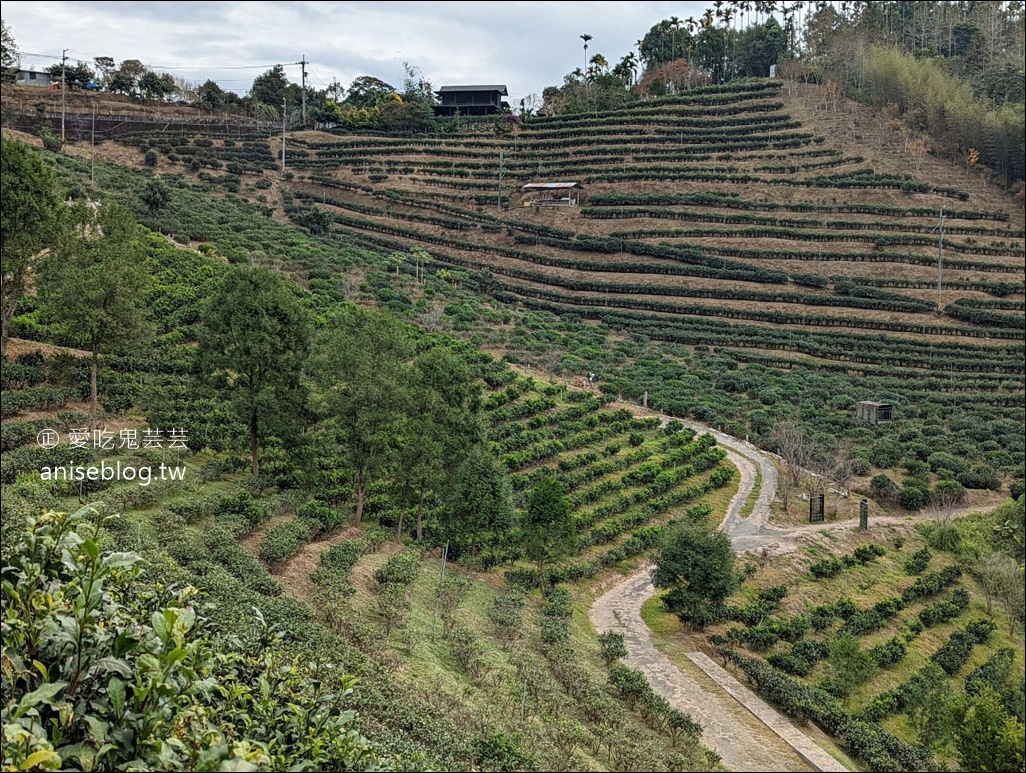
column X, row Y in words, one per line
column 526, row 45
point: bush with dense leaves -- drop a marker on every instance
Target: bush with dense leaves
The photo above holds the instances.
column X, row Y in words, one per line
column 399, row 569
column 328, row 518
column 880, row 750
column 917, row 562
column 611, row 647
column 142, row 667
column 281, row 543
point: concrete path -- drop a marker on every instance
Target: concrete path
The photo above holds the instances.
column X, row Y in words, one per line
column 742, row 740
column 747, row 733
column 807, row 749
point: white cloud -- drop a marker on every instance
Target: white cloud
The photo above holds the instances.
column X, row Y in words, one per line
column 526, row 45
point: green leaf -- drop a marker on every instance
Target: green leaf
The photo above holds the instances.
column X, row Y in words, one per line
column 91, row 549
column 97, row 728
column 160, row 626
column 44, row 758
column 124, row 643
column 116, row 693
column 187, row 617
column 118, row 560
column 178, row 653
column 44, row 694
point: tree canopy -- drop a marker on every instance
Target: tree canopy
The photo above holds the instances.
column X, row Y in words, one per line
column 270, row 87
column 28, row 220
column 253, row 345
column 696, row 567
column 359, row 364
column 479, row 500
column 95, row 283
column 547, row 525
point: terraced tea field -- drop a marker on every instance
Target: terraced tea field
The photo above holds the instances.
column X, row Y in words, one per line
column 711, row 219
column 714, row 224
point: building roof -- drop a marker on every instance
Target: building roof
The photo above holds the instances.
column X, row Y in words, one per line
column 549, row 186
column 873, row 403
column 501, row 88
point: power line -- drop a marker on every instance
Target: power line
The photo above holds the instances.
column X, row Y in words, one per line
column 88, row 59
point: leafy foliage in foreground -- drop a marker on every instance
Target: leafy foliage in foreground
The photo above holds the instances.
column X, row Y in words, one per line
column 102, row 671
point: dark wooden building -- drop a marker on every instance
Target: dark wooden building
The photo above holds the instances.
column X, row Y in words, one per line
column 471, row 100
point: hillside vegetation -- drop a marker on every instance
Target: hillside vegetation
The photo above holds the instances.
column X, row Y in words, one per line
column 756, row 257
column 729, row 264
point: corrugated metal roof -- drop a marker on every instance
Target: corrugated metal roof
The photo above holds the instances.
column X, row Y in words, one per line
column 549, row 186
column 501, row 88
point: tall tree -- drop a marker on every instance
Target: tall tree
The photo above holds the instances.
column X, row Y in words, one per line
column 696, row 566
column 416, row 87
column 269, row 88
column 795, row 449
column 443, row 421
column 126, row 79
column 664, row 42
column 253, row 344
column 105, row 69
column 360, row 367
column 368, row 92
column 547, row 525
column 76, row 76
column 760, row 46
column 157, row 86
column 8, row 54
column 211, row 96
column 478, row 500
column 586, row 37
column 95, row 283
column 28, row 215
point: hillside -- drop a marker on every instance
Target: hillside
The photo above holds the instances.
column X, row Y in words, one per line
column 752, row 229
column 744, row 256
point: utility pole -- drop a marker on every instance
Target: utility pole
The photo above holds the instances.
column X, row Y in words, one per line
column 502, row 173
column 64, row 87
column 283, row 119
column 92, row 149
column 302, row 63
column 441, row 579
column 940, row 257
column 334, row 88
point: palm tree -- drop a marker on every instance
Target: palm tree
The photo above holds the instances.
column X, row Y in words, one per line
column 627, row 68
column 675, row 23
column 586, row 37
column 599, row 64
column 692, row 27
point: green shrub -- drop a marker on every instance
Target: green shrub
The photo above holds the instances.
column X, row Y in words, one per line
column 917, row 562
column 611, row 647
column 282, row 542
column 328, row 518
column 399, row 569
